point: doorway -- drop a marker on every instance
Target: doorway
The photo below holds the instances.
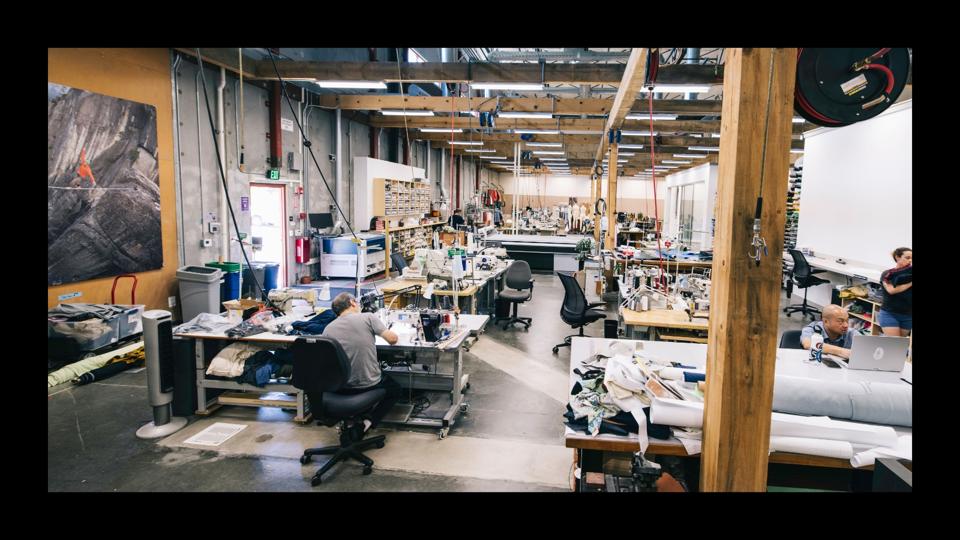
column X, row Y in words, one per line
column 268, row 222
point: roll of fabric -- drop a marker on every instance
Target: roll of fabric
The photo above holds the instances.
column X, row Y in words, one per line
column 878, row 403
column 902, row 450
column 674, row 412
column 685, row 375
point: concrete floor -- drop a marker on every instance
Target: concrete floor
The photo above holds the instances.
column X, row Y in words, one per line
column 511, row 438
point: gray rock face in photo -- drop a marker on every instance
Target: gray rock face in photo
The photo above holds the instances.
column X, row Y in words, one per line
column 103, row 193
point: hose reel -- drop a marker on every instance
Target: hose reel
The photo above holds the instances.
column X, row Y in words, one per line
column 838, row 87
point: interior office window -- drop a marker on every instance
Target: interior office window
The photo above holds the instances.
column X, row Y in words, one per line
column 686, row 213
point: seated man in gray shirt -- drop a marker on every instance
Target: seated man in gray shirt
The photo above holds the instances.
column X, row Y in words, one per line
column 356, row 332
column 837, row 338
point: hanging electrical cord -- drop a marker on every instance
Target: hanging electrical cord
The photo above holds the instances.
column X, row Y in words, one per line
column 653, row 175
column 307, row 145
column 223, row 180
column 403, row 104
column 759, row 243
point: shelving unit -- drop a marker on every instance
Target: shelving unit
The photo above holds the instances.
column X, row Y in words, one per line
column 407, row 239
column 794, row 181
column 397, row 198
column 868, row 317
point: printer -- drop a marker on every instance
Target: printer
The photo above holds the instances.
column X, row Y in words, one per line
column 342, row 256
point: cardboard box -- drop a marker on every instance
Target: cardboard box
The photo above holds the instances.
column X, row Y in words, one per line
column 243, row 308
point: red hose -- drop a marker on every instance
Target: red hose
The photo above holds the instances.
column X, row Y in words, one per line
column 656, row 211
column 889, row 74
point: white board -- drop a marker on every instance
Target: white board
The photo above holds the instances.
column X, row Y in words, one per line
column 857, row 189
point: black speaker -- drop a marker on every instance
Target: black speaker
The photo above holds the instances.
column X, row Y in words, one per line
column 610, row 329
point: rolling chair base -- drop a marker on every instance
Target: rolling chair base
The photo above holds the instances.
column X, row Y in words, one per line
column 513, row 319
column 348, row 449
column 566, row 341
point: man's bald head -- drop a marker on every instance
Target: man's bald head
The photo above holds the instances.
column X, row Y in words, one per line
column 835, row 320
column 833, row 311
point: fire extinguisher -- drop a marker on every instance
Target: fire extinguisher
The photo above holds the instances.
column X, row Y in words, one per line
column 303, row 250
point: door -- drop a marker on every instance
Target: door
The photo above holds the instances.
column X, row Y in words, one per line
column 268, row 221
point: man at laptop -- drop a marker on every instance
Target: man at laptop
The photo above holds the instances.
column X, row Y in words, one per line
column 837, row 337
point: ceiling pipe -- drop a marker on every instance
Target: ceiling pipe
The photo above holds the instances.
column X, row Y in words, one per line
column 222, row 141
column 692, row 56
column 447, row 56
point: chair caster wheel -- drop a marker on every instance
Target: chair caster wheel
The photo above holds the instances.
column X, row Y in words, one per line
column 304, row 459
column 367, row 470
column 442, row 435
column 315, row 481
column 788, row 314
column 380, row 444
column 555, row 349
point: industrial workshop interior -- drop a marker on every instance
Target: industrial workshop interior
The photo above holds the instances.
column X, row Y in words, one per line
column 479, row 270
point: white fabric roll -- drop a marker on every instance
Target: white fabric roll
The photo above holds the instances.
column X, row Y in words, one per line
column 673, row 412
column 813, row 447
column 902, row 450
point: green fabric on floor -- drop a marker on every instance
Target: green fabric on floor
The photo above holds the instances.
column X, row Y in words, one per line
column 72, row 371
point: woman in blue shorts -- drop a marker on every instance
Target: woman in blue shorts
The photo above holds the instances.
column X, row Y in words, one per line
column 896, row 312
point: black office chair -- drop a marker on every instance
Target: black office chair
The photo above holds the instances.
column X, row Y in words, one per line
column 518, row 288
column 320, row 368
column 397, row 262
column 575, row 310
column 804, row 278
column 791, row 339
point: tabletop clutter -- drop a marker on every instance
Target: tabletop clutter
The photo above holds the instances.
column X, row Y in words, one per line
column 621, row 389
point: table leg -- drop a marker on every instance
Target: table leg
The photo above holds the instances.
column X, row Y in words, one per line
column 201, row 372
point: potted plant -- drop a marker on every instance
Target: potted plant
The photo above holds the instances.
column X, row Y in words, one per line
column 583, row 250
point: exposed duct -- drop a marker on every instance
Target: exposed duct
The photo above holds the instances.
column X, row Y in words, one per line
column 566, row 55
column 692, row 56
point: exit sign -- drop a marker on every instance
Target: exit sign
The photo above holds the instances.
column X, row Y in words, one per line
column 273, row 174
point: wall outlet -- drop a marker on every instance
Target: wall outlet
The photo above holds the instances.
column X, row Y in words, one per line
column 206, row 242
column 214, row 227
column 171, row 301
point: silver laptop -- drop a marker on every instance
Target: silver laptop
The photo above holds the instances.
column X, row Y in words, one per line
column 876, row 353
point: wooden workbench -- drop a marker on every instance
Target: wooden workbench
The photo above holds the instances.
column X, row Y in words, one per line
column 398, row 284
column 658, row 319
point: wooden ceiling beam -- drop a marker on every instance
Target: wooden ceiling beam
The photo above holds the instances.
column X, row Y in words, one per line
column 633, row 77
column 611, row 74
column 563, row 124
column 591, row 106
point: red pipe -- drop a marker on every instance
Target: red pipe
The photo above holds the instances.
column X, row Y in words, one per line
column 375, row 142
column 459, row 166
column 276, row 138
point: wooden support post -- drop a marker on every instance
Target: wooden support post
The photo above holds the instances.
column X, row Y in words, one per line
column 742, row 343
column 611, row 240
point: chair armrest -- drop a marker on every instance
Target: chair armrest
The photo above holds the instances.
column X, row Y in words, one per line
column 531, row 286
column 817, row 270
column 592, row 305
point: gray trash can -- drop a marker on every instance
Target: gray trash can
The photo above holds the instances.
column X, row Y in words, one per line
column 199, row 290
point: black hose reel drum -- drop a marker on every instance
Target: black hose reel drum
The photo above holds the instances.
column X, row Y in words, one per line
column 839, row 87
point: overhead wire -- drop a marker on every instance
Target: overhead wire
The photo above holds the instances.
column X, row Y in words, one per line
column 307, row 145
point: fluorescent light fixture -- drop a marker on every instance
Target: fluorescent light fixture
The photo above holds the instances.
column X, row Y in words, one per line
column 480, row 150
column 507, row 86
column 630, row 146
column 546, row 144
column 795, row 151
column 626, row 154
column 704, row 148
column 537, row 131
column 375, row 85
column 685, row 88
column 441, row 130
column 400, row 112
column 638, row 133
column 502, row 162
column 715, row 135
column 581, row 132
column 549, row 152
column 471, row 113
column 519, row 114
column 799, row 120
column 605, row 161
column 696, row 135
column 493, row 157
column 677, row 162
column 467, row 143
column 694, row 156
column 641, row 116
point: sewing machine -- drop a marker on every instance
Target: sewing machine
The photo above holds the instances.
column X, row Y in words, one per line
column 286, row 298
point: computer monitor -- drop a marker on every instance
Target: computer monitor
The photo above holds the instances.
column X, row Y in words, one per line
column 321, row 221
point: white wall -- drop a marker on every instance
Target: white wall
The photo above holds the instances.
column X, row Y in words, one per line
column 857, row 191
column 706, row 175
column 365, row 169
column 633, row 194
